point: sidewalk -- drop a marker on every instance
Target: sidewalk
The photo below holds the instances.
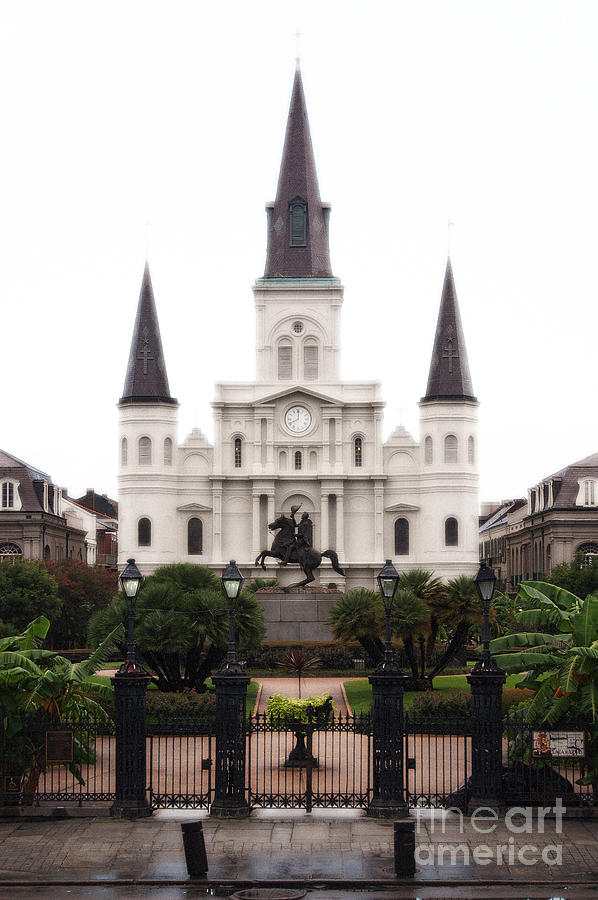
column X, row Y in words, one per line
column 322, row 849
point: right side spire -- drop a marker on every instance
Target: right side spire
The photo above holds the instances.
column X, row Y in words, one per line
column 449, row 377
column 298, row 220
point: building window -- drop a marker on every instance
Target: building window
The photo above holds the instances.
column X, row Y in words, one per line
column 401, row 537
column 145, row 451
column 282, row 461
column 313, row 460
column 144, row 533
column 451, row 533
column 297, row 459
column 450, row 449
column 10, row 551
column 589, row 493
column 195, row 537
column 358, row 448
column 310, row 362
column 167, row 451
column 298, row 221
column 8, row 495
column 470, row 450
column 285, row 362
column 124, row 452
column 238, row 453
column 590, row 551
column 428, row 451
column 297, row 327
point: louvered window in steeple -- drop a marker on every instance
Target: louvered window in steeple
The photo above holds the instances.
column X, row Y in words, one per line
column 298, row 217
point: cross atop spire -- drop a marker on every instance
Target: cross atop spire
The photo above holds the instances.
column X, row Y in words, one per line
column 449, row 377
column 298, row 220
column 146, row 380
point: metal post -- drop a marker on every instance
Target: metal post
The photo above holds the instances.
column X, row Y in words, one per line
column 2, row 754
column 131, row 782
column 229, row 787
column 388, row 798
column 486, row 680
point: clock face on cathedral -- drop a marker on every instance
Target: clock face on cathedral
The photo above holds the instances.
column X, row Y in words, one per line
column 297, row 419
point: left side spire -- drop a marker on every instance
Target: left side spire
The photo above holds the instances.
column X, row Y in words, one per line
column 146, row 380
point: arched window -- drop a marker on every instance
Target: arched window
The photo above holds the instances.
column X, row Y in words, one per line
column 285, row 361
column 589, row 493
column 310, row 361
column 167, row 451
column 451, row 532
column 450, row 449
column 298, row 459
column 589, row 550
column 401, row 537
column 313, row 460
column 145, row 451
column 358, row 448
column 10, row 550
column 8, row 495
column 124, row 452
column 298, row 217
column 238, row 453
column 470, row 450
column 144, row 533
column 282, row 460
column 195, row 537
column 428, row 451
column 47, row 552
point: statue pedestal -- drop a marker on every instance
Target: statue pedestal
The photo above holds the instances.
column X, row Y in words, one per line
column 299, row 615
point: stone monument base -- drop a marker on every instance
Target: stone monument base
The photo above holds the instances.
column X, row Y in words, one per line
column 299, row 615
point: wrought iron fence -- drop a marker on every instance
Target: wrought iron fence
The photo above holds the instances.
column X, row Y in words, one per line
column 546, row 762
column 437, row 760
column 180, row 754
column 46, row 760
column 318, row 763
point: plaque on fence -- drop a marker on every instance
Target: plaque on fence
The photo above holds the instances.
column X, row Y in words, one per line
column 59, row 746
column 12, row 784
column 559, row 743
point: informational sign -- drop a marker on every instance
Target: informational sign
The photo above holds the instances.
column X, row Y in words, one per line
column 559, row 743
column 59, row 746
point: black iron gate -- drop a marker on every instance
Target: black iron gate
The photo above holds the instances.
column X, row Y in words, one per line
column 309, row 764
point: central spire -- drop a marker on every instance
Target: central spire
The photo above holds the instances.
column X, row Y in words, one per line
column 298, row 220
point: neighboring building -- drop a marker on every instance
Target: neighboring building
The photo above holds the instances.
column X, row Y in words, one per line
column 558, row 520
column 494, row 541
column 106, row 514
column 36, row 520
column 298, row 434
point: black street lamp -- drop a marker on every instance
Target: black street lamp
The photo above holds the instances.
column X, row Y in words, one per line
column 131, row 580
column 388, row 580
column 231, row 582
column 485, row 581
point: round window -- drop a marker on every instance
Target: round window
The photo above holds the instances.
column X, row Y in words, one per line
column 298, row 327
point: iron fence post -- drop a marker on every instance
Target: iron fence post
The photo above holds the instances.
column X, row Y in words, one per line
column 131, row 783
column 229, row 782
column 388, row 798
column 2, row 773
column 486, row 680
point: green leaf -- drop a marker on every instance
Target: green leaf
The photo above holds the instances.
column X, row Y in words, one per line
column 541, row 590
column 523, row 639
column 585, row 623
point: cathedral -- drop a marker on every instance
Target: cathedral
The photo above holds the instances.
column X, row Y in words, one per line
column 298, row 435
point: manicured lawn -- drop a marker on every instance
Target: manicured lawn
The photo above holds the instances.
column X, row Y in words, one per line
column 252, row 689
column 359, row 693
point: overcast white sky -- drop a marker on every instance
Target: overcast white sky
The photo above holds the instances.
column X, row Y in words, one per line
column 115, row 113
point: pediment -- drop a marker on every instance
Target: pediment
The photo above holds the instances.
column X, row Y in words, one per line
column 194, row 507
column 401, row 507
column 298, row 389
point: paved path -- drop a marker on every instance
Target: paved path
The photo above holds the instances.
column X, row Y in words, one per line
column 317, row 849
column 309, row 688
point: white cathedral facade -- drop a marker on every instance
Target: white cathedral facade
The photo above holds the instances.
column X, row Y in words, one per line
column 298, row 434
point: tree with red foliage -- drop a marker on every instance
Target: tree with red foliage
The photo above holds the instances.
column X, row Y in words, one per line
column 82, row 589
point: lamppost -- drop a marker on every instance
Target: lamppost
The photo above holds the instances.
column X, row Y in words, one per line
column 231, row 582
column 388, row 799
column 130, row 684
column 231, row 692
column 486, row 680
column 131, row 580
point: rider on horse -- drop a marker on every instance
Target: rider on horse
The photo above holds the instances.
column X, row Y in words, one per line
column 303, row 540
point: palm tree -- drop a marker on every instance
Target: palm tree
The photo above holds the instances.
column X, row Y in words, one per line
column 432, row 591
column 357, row 617
column 463, row 609
column 410, row 617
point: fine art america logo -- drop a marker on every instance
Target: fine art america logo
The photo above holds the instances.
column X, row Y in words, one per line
column 484, row 821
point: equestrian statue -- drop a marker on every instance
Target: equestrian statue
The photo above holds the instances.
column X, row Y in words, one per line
column 291, row 547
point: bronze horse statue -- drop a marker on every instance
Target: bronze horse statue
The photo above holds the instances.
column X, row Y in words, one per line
column 308, row 558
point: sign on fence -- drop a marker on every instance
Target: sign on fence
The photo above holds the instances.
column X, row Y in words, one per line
column 59, row 746
column 559, row 743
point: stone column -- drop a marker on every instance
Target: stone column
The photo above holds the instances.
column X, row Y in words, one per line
column 217, row 522
column 324, row 530
column 255, row 540
column 340, row 525
column 378, row 520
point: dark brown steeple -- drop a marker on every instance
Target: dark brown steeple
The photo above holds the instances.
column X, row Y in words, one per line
column 449, row 377
column 146, row 380
column 298, row 220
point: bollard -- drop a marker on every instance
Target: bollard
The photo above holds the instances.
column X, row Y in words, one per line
column 195, row 849
column 404, row 848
